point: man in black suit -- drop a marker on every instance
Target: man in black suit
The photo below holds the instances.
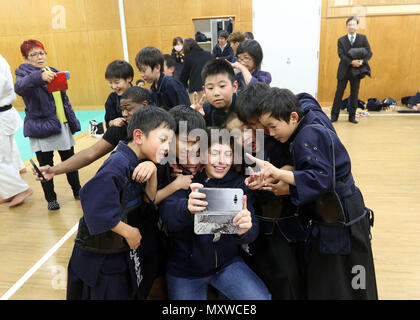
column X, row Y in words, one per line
column 344, row 73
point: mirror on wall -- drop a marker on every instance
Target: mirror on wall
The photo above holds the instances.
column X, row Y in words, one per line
column 210, row 28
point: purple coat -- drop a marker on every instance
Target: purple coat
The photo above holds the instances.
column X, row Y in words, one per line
column 41, row 119
column 257, row 76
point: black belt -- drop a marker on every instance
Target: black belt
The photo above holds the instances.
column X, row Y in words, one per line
column 5, row 108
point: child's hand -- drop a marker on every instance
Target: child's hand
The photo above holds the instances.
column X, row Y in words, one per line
column 279, row 188
column 183, row 181
column 176, row 170
column 198, row 105
column 195, row 202
column 144, row 171
column 267, row 169
column 235, row 65
column 255, row 181
column 243, row 219
column 133, row 238
column 48, row 76
column 118, row 122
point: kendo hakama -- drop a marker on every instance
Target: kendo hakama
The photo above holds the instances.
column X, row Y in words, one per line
column 102, row 266
column 338, row 253
column 277, row 255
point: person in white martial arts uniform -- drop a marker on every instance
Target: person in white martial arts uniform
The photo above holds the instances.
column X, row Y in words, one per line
column 13, row 188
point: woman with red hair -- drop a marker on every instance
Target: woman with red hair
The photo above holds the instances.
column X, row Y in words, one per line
column 50, row 121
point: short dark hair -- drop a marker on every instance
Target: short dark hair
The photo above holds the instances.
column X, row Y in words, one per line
column 230, row 117
column 150, row 56
column 189, row 44
column 280, row 103
column 217, row 66
column 149, row 118
column 249, row 35
column 136, row 94
column 247, row 101
column 253, row 48
column 352, row 18
column 119, row 69
column 223, row 34
column 193, row 118
column 140, row 80
column 176, row 40
column 170, row 60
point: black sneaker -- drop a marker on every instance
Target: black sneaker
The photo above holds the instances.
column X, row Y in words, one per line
column 53, row 205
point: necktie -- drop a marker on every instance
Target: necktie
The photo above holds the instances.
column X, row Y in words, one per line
column 351, row 40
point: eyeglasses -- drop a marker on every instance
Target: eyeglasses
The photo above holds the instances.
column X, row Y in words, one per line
column 244, row 59
column 35, row 54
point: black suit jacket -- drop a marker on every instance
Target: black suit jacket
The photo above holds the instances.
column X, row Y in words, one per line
column 344, row 68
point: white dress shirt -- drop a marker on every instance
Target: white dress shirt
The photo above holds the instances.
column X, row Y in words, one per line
column 354, row 37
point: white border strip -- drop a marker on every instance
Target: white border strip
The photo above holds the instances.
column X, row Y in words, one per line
column 37, row 265
column 123, row 30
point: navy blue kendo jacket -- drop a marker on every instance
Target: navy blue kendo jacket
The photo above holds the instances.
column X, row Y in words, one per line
column 216, row 117
column 312, row 154
column 194, row 256
column 101, row 198
column 112, row 108
column 168, row 93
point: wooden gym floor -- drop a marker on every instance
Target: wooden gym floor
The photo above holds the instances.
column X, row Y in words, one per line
column 35, row 243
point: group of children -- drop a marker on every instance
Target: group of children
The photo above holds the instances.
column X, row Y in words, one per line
column 303, row 226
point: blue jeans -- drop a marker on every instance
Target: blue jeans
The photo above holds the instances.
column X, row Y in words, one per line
column 236, row 281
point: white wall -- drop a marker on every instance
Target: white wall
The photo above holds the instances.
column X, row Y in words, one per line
column 289, row 33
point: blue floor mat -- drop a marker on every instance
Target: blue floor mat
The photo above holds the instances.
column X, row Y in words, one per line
column 83, row 116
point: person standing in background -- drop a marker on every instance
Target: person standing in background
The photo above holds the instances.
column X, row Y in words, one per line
column 178, row 54
column 222, row 49
column 195, row 60
column 50, row 121
column 347, row 63
column 13, row 188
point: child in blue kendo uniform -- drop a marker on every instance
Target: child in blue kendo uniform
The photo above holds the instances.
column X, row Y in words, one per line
column 220, row 91
column 165, row 91
column 106, row 262
column 197, row 261
column 322, row 186
column 177, row 174
column 119, row 74
column 276, row 255
column 179, row 171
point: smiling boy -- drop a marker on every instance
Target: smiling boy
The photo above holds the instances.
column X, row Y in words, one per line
column 166, row 92
column 105, row 260
column 119, row 74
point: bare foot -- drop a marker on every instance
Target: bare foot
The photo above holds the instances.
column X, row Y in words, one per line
column 20, row 197
column 22, row 171
column 6, row 200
